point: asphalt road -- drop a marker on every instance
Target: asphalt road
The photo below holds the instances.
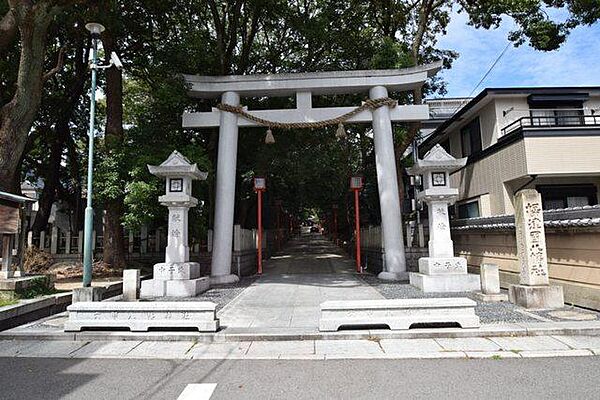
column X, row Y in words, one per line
column 88, row 379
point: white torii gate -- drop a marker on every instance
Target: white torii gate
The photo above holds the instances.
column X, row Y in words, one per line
column 304, row 85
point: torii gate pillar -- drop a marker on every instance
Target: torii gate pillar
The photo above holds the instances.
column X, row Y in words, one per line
column 303, row 86
column 225, row 194
column 387, row 184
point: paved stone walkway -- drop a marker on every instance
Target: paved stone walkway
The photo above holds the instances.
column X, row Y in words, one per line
column 493, row 347
column 309, row 271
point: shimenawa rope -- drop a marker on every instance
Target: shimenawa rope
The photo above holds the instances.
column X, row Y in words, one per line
column 370, row 104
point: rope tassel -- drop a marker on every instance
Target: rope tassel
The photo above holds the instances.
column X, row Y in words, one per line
column 340, row 133
column 269, row 139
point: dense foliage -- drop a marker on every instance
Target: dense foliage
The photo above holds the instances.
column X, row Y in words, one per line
column 44, row 89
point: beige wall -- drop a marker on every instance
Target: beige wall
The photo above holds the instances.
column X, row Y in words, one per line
column 561, row 155
column 488, row 175
column 573, row 260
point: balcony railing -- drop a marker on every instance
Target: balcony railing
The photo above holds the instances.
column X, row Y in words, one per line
column 561, row 119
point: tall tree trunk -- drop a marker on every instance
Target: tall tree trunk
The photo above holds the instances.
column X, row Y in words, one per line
column 17, row 116
column 51, row 182
column 113, row 242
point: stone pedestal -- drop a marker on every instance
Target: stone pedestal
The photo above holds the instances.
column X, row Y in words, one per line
column 534, row 290
column 537, row 297
column 441, row 271
column 175, row 280
column 490, row 284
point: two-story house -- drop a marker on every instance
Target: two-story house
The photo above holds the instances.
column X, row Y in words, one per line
column 547, row 139
column 543, row 138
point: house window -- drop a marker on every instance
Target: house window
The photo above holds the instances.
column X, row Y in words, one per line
column 558, row 116
column 468, row 210
column 566, row 196
column 471, row 138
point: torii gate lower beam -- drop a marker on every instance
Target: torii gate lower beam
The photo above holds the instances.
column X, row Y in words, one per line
column 304, row 85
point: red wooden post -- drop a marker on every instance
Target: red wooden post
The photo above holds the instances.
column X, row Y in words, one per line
column 357, row 227
column 260, row 186
column 259, row 192
column 356, row 184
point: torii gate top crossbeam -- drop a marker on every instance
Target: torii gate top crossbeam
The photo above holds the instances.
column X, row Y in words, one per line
column 318, row 83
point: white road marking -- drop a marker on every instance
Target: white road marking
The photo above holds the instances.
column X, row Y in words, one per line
column 198, row 391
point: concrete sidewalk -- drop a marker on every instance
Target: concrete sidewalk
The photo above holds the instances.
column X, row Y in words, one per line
column 494, row 347
column 310, row 271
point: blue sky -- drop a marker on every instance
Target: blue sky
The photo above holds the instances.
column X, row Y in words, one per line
column 576, row 63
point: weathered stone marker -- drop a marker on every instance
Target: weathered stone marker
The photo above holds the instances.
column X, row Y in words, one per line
column 177, row 276
column 131, row 284
column 490, row 284
column 533, row 290
column 398, row 313
column 441, row 271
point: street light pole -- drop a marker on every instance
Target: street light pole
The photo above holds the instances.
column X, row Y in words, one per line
column 95, row 30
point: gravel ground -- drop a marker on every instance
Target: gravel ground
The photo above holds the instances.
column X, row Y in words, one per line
column 569, row 313
column 220, row 294
column 489, row 313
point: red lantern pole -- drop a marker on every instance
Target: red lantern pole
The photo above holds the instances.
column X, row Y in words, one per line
column 356, row 184
column 259, row 188
column 357, row 227
column 259, row 192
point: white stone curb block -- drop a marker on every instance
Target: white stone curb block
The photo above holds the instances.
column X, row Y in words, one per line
column 398, row 313
column 140, row 316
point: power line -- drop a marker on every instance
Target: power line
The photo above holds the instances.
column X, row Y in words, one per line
column 486, row 74
column 491, row 68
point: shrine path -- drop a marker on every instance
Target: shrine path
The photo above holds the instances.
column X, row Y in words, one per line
column 309, row 271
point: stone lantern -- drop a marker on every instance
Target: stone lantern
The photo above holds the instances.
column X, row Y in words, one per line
column 441, row 271
column 177, row 276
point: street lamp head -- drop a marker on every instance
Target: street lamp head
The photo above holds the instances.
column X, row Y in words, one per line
column 95, row 28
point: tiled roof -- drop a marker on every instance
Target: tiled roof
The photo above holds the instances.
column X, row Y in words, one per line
column 574, row 217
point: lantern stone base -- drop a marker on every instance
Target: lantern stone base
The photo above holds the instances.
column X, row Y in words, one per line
column 537, row 297
column 223, row 279
column 442, row 266
column 445, row 282
column 175, row 280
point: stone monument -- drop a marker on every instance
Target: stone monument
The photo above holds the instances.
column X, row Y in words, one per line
column 533, row 290
column 177, row 276
column 441, row 271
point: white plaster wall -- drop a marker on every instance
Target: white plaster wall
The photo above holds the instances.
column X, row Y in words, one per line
column 518, row 106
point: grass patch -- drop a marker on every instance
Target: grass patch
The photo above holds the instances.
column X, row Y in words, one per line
column 8, row 302
column 38, row 287
column 496, row 357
